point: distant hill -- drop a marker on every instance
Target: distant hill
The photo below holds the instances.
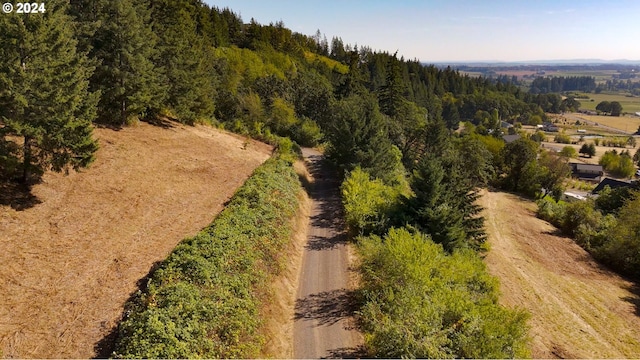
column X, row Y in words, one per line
column 497, row 63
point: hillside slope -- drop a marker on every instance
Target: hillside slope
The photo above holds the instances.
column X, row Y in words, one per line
column 71, row 261
column 578, row 308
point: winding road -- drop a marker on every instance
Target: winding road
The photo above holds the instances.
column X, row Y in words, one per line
column 323, row 320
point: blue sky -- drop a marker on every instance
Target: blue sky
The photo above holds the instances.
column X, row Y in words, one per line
column 464, row 30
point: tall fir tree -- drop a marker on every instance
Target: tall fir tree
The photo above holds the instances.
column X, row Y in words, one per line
column 88, row 15
column 391, row 93
column 44, row 91
column 187, row 60
column 444, row 204
column 359, row 137
column 353, row 82
column 124, row 45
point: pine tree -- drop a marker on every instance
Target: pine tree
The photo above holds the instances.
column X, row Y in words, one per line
column 127, row 77
column 444, row 184
column 44, row 91
column 88, row 16
column 352, row 83
column 186, row 59
column 433, row 208
column 359, row 137
column 391, row 93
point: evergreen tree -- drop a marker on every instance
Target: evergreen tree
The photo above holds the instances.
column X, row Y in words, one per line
column 408, row 130
column 358, row 136
column 444, row 202
column 353, row 82
column 186, row 60
column 44, row 96
column 127, row 77
column 450, row 114
column 391, row 94
column 88, row 16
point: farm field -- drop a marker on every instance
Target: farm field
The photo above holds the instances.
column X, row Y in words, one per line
column 578, row 308
column 629, row 104
column 599, row 75
column 72, row 256
column 599, row 123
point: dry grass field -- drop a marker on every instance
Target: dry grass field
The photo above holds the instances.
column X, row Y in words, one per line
column 628, row 124
column 605, row 125
column 72, row 257
column 578, row 308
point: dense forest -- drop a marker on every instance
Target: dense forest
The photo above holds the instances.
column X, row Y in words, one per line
column 391, row 126
column 114, row 63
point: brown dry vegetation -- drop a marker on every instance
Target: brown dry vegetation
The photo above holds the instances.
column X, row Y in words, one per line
column 614, row 125
column 579, row 309
column 70, row 261
column 628, row 124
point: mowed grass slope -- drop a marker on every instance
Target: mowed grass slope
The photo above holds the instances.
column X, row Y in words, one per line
column 70, row 262
column 578, row 308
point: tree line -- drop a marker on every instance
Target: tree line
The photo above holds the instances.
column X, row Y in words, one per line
column 115, row 63
column 558, row 84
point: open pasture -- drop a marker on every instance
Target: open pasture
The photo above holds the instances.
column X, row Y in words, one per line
column 630, row 104
column 599, row 75
column 628, row 124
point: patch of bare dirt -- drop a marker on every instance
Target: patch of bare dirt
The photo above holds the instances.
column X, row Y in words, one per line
column 578, row 308
column 71, row 259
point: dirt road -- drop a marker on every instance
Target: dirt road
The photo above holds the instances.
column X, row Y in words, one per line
column 323, row 324
column 578, row 308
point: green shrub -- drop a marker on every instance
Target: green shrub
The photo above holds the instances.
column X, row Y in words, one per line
column 617, row 164
column 551, row 211
column 367, row 202
column 621, row 248
column 569, row 152
column 580, row 220
column 307, row 133
column 204, row 299
column 538, row 136
column 420, row 302
column 562, row 138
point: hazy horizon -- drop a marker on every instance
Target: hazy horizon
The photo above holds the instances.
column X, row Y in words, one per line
column 441, row 31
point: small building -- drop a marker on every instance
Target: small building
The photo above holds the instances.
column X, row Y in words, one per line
column 571, row 197
column 550, row 127
column 612, row 183
column 510, row 138
column 504, row 124
column 587, row 172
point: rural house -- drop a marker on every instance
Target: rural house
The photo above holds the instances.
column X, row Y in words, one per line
column 587, row 172
column 612, row 183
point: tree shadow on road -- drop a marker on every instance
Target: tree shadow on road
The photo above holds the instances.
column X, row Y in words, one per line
column 348, row 353
column 329, row 213
column 327, row 307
